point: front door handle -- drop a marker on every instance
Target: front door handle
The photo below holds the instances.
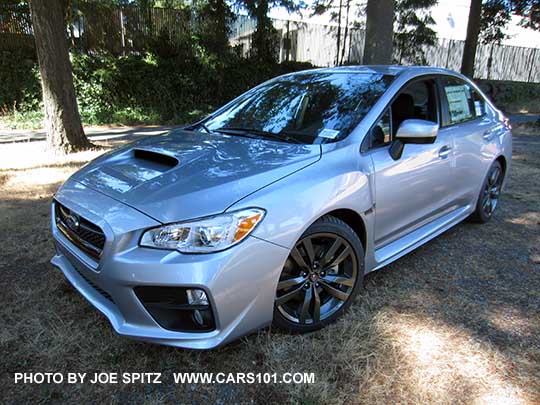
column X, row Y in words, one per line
column 445, row 151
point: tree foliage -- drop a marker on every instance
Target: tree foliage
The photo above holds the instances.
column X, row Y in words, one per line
column 345, row 14
column 529, row 10
column 495, row 17
column 414, row 32
column 265, row 40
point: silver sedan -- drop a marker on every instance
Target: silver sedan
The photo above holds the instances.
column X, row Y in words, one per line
column 275, row 207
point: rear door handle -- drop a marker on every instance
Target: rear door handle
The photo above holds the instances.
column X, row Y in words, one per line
column 445, row 151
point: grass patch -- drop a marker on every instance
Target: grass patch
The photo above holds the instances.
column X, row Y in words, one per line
column 22, row 120
column 33, row 120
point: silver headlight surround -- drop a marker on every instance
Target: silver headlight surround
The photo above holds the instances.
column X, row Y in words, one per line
column 204, row 235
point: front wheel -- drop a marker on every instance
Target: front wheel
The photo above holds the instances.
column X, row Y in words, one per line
column 321, row 277
column 489, row 195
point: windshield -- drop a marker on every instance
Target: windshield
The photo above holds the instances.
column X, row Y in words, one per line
column 307, row 108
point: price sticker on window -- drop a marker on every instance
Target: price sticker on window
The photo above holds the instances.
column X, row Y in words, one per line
column 328, row 133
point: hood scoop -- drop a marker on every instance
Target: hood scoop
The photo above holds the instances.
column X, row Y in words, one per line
column 185, row 175
column 161, row 159
column 130, row 170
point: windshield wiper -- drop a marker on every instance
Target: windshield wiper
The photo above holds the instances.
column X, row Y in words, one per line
column 282, row 136
column 199, row 125
column 237, row 131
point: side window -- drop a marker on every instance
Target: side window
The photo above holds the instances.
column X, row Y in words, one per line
column 381, row 134
column 479, row 104
column 417, row 100
column 463, row 102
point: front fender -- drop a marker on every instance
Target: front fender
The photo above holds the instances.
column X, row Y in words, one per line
column 336, row 181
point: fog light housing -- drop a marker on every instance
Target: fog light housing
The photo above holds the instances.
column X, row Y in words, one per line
column 178, row 308
column 196, row 297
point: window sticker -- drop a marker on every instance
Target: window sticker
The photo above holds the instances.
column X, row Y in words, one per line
column 328, row 133
column 458, row 103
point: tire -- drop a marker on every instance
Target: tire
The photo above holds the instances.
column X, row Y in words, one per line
column 489, row 194
column 325, row 270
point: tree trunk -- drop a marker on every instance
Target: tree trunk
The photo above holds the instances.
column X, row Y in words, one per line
column 348, row 9
column 471, row 42
column 339, row 32
column 379, row 32
column 62, row 121
column 263, row 40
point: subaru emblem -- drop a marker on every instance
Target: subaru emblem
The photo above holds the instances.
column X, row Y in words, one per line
column 72, row 222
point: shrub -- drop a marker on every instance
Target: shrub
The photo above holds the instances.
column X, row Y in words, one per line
column 513, row 97
column 145, row 88
column 20, row 88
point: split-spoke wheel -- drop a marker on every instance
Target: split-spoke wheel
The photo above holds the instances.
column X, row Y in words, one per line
column 321, row 276
column 489, row 195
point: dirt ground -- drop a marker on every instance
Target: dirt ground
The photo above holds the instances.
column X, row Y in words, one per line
column 456, row 321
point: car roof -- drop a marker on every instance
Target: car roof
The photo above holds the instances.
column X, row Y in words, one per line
column 391, row 70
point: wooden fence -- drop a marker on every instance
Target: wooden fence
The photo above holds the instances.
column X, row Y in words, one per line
column 96, row 26
column 317, row 44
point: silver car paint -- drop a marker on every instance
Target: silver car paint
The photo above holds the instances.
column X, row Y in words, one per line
column 210, row 166
column 401, row 205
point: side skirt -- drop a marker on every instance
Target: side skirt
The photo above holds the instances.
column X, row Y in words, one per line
column 393, row 251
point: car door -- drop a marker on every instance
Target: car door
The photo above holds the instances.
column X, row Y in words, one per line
column 417, row 188
column 465, row 120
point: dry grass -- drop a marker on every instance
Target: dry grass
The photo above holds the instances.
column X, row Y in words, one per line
column 456, row 321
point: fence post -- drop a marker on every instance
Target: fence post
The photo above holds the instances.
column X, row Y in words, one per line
column 490, row 62
column 532, row 64
column 288, row 49
column 448, row 54
column 350, row 45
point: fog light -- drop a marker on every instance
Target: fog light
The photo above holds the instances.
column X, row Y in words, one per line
column 196, row 297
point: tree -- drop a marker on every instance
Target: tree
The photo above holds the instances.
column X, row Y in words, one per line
column 529, row 11
column 265, row 40
column 343, row 13
column 487, row 21
column 413, row 30
column 471, row 41
column 62, row 120
column 379, row 32
column 495, row 17
column 214, row 26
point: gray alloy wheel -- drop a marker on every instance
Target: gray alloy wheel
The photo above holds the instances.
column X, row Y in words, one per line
column 320, row 278
column 489, row 195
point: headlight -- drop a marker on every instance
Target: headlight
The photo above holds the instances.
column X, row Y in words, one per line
column 205, row 235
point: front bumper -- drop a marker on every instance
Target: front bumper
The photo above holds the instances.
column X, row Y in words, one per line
column 240, row 282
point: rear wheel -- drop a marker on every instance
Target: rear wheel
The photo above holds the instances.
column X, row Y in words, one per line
column 489, row 195
column 321, row 277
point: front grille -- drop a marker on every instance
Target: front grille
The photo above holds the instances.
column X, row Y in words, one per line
column 81, row 232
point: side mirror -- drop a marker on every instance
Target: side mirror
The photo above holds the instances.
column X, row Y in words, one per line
column 413, row 131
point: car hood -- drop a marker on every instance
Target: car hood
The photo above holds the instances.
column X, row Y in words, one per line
column 185, row 174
